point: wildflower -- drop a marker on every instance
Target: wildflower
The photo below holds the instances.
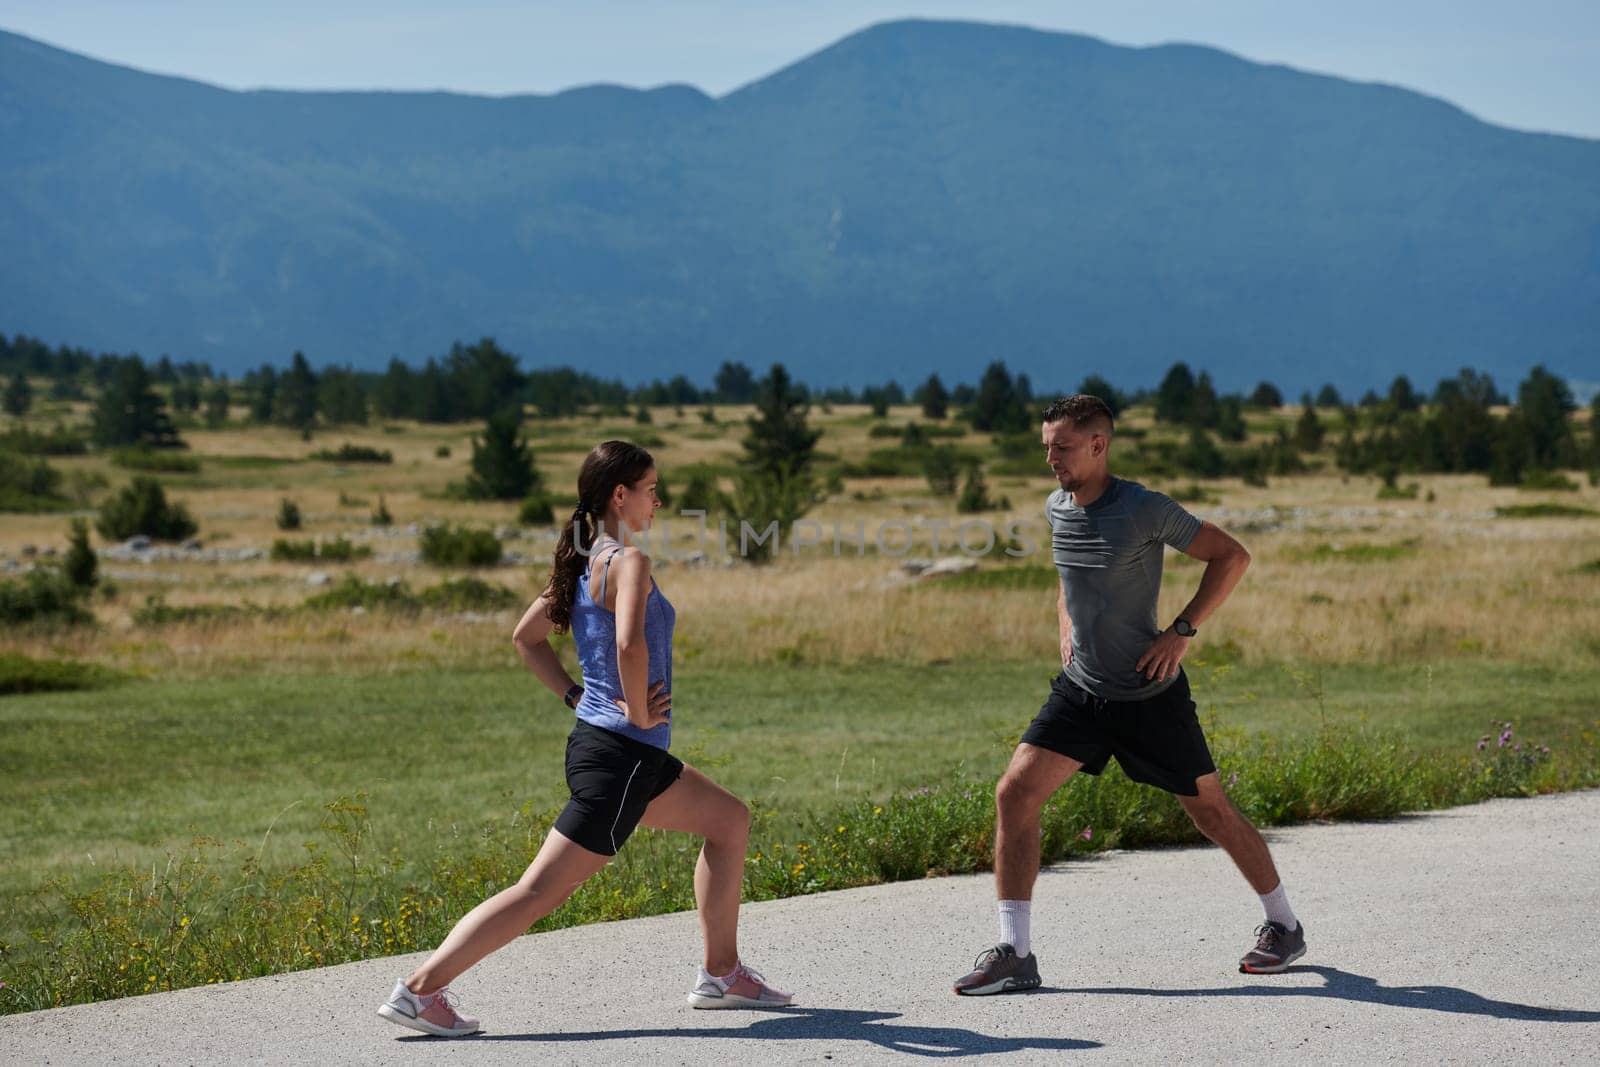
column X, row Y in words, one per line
column 877, row 811
column 1483, row 744
column 841, row 829
column 797, row 868
column 1545, row 750
column 1233, row 779
column 1505, row 739
column 184, row 921
column 1508, row 726
column 1088, row 833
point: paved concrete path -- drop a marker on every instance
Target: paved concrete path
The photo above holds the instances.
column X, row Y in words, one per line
column 1468, row 936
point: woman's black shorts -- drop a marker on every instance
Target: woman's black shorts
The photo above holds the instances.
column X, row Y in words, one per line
column 1157, row 741
column 612, row 779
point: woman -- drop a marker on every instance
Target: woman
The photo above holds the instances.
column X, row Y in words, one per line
column 618, row 768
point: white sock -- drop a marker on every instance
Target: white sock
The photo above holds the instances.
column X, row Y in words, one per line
column 1014, row 925
column 1278, row 911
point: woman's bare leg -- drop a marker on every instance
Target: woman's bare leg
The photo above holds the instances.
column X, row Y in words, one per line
column 695, row 804
column 560, row 867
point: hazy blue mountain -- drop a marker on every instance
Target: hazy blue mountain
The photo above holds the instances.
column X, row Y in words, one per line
column 920, row 196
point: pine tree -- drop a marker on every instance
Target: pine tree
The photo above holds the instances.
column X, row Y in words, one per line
column 18, row 394
column 1175, row 394
column 1094, row 385
column 1266, row 395
column 128, row 411
column 80, row 563
column 296, row 401
column 217, row 405
column 502, row 465
column 779, row 442
column 934, row 398
column 998, row 408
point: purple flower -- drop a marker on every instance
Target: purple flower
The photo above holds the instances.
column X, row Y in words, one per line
column 1505, row 739
column 1088, row 833
column 1508, row 727
column 1546, row 750
column 1483, row 744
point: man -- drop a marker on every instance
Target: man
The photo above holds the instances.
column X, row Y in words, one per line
column 1121, row 691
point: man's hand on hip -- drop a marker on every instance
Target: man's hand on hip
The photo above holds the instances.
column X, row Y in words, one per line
column 1160, row 661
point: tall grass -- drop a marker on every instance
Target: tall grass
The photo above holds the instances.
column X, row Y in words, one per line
column 214, row 913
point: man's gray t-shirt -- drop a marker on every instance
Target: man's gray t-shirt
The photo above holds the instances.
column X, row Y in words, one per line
column 1109, row 557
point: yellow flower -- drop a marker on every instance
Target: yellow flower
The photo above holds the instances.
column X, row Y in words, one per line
column 877, row 811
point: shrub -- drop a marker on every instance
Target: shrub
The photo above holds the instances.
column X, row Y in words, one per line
column 80, row 564
column 442, row 452
column 700, row 493
column 288, row 515
column 43, row 595
column 57, row 441
column 144, row 458
column 1544, row 511
column 467, row 594
column 536, row 511
column 381, row 517
column 30, row 486
column 445, row 545
column 19, row 674
column 349, row 453
column 352, row 592
column 942, row 468
column 456, row 594
column 141, row 508
column 339, row 550
column 1550, row 481
column 975, row 495
column 157, row 612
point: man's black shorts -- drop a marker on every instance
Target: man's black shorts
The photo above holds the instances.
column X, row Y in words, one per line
column 612, row 779
column 1157, row 741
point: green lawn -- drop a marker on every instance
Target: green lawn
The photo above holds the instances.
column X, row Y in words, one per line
column 95, row 777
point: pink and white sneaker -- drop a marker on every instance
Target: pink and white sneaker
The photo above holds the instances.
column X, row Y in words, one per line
column 434, row 1014
column 744, row 988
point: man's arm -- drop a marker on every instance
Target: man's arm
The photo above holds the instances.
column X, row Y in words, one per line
column 1065, row 622
column 1226, row 561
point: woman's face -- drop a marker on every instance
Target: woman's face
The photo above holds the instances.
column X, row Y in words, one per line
column 637, row 506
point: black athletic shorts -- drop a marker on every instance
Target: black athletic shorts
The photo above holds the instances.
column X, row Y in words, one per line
column 612, row 779
column 1157, row 741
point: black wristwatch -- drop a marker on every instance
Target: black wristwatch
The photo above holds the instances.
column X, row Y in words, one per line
column 571, row 699
column 1183, row 628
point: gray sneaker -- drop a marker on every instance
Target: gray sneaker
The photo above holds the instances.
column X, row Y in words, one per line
column 1276, row 948
column 999, row 970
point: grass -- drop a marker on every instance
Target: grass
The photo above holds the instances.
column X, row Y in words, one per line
column 1544, row 511
column 20, row 674
column 125, row 778
column 212, row 911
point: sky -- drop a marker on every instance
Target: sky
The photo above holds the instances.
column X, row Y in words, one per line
column 1533, row 65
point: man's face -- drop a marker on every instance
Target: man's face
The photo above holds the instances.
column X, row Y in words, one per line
column 1074, row 455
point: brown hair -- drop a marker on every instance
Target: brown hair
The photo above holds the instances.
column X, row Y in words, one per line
column 610, row 464
column 1083, row 411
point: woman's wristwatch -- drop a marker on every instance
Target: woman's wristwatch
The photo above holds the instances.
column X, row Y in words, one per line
column 571, row 699
column 1184, row 627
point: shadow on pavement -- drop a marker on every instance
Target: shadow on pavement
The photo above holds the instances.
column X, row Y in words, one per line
column 1343, row 985
column 827, row 1024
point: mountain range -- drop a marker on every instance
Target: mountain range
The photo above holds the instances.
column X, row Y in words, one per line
column 920, row 196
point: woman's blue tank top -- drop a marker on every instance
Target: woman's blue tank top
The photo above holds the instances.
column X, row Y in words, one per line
column 594, row 630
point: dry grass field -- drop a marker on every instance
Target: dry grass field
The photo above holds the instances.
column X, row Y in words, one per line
column 1339, row 577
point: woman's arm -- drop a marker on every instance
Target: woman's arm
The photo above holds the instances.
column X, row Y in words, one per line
column 532, row 638
column 632, row 573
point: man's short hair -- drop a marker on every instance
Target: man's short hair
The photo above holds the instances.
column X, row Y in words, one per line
column 1085, row 412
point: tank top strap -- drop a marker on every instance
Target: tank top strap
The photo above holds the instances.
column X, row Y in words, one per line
column 604, row 571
